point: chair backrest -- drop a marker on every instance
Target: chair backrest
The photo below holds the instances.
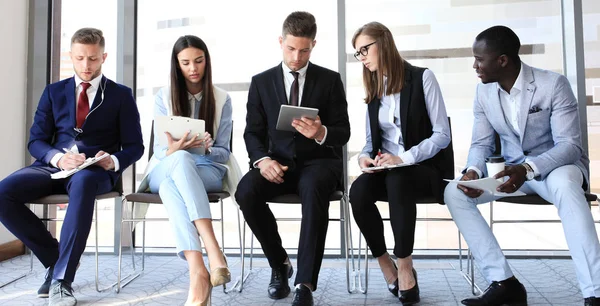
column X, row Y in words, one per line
column 151, row 149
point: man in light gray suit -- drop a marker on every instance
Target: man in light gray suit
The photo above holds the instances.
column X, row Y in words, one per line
column 536, row 116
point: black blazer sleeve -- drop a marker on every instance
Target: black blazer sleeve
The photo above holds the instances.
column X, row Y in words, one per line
column 336, row 117
column 256, row 132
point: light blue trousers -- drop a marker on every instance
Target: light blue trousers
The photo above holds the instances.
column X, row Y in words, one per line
column 182, row 180
column 562, row 187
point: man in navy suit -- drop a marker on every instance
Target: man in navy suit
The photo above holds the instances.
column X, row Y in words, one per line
column 83, row 116
column 307, row 161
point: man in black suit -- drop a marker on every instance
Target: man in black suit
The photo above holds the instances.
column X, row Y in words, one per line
column 307, row 161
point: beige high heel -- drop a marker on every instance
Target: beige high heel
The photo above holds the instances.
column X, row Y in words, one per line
column 220, row 275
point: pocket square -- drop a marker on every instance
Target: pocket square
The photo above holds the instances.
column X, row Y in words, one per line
column 534, row 110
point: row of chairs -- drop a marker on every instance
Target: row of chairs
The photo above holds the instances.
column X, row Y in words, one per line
column 354, row 275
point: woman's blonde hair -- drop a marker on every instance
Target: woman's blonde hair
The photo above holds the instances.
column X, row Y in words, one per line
column 389, row 62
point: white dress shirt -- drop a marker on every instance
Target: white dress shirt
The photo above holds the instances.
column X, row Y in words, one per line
column 91, row 93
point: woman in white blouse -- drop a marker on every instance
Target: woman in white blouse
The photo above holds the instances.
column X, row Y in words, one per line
column 406, row 125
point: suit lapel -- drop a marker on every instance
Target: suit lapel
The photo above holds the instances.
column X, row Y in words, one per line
column 373, row 109
column 98, row 97
column 69, row 92
column 496, row 108
column 309, row 84
column 405, row 99
column 527, row 93
column 279, row 85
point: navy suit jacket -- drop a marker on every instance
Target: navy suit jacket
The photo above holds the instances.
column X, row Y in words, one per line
column 112, row 126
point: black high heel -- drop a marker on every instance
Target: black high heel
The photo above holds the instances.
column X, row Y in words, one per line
column 393, row 287
column 410, row 296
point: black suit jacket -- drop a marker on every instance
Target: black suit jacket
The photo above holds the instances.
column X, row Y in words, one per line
column 323, row 89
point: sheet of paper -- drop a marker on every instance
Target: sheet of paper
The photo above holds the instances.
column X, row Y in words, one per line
column 88, row 162
column 487, row 184
column 387, row 167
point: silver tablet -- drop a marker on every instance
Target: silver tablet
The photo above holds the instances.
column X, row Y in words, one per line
column 177, row 126
column 288, row 113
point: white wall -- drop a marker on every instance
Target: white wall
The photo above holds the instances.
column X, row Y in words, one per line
column 13, row 81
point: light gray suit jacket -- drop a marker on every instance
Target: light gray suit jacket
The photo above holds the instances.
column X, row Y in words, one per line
column 550, row 135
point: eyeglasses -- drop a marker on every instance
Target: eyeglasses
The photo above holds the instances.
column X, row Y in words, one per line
column 364, row 51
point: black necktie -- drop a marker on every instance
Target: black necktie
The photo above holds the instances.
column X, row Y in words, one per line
column 295, row 91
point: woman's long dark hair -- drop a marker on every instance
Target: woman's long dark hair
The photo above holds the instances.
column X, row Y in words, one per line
column 179, row 92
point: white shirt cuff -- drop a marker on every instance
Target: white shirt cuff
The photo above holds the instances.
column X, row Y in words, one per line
column 476, row 170
column 407, row 158
column 536, row 171
column 55, row 159
column 116, row 161
column 255, row 165
column 324, row 137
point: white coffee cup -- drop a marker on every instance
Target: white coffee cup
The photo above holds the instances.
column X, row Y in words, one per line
column 495, row 164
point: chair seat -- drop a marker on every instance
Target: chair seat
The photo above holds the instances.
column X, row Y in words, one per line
column 537, row 200
column 293, row 198
column 154, row 198
column 63, row 198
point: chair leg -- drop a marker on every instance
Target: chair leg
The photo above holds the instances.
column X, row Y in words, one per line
column 469, row 274
column 20, row 276
column 349, row 245
column 238, row 285
column 97, row 281
column 134, row 274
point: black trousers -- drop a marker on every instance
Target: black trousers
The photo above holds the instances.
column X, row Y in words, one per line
column 314, row 181
column 400, row 187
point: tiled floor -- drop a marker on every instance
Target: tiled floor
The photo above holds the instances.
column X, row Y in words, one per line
column 165, row 281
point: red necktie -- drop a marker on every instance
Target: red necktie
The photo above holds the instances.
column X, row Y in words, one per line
column 83, row 105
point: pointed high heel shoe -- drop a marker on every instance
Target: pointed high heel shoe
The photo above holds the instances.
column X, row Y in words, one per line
column 220, row 275
column 410, row 296
column 393, row 287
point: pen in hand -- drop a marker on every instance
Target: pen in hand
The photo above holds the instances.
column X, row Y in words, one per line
column 376, row 160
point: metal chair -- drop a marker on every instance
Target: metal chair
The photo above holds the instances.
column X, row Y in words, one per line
column 448, row 161
column 151, row 198
column 62, row 199
column 340, row 195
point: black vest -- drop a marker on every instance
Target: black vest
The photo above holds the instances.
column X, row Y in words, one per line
column 415, row 126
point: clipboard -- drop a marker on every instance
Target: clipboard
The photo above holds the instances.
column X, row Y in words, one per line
column 386, row 167
column 288, row 113
column 488, row 185
column 88, row 162
column 177, row 126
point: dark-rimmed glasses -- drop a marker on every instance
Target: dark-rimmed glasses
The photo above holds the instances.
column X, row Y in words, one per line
column 364, row 51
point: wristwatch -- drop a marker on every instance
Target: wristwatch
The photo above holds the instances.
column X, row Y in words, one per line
column 529, row 175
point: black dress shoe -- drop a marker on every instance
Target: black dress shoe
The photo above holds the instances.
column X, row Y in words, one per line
column 508, row 292
column 303, row 297
column 279, row 287
column 591, row 301
column 412, row 295
column 44, row 290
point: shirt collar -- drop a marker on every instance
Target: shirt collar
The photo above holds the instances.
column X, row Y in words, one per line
column 302, row 71
column 196, row 97
column 95, row 82
column 518, row 82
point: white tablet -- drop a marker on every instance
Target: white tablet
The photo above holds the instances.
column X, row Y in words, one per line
column 288, row 113
column 177, row 126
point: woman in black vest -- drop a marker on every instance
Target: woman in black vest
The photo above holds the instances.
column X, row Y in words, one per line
column 406, row 125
